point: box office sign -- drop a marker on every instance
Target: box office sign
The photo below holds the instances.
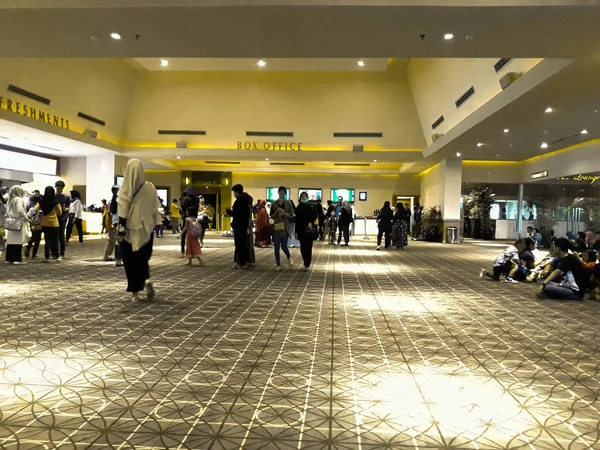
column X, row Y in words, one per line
column 255, row 145
column 34, row 113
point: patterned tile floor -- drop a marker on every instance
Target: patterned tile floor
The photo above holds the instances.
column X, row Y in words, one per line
column 371, row 350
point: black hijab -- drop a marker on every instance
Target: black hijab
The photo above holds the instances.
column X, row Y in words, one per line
column 386, row 207
column 49, row 201
column 400, row 212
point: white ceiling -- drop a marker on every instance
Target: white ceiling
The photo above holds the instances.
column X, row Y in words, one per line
column 273, row 64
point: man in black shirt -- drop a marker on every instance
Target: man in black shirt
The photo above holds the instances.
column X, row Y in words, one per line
column 65, row 203
column 574, row 278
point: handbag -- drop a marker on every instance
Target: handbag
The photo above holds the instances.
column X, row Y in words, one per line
column 13, row 223
column 280, row 227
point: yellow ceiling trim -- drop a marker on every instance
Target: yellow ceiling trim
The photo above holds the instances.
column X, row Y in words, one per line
column 316, row 175
column 473, row 162
column 562, row 150
column 426, row 171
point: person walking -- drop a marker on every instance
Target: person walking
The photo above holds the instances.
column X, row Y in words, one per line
column 188, row 203
column 175, row 216
column 399, row 228
column 241, row 215
column 51, row 211
column 75, row 216
column 137, row 207
column 263, row 227
column 65, row 203
column 35, row 226
column 292, row 241
column 417, row 223
column 384, row 223
column 111, row 241
column 306, row 229
column 15, row 221
column 3, row 200
column 281, row 214
column 105, row 217
column 193, row 230
column 344, row 213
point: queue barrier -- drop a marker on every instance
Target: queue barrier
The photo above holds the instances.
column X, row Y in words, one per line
column 365, row 237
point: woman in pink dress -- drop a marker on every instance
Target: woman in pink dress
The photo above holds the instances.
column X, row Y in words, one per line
column 193, row 249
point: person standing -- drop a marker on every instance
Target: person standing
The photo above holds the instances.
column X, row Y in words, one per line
column 263, row 227
column 3, row 200
column 137, row 207
column 281, row 213
column 190, row 200
column 204, row 218
column 111, row 242
column 384, row 223
column 65, row 203
column 292, row 241
column 16, row 231
column 193, row 249
column 305, row 228
column 175, row 216
column 75, row 216
column 321, row 216
column 407, row 218
column 417, row 223
column 159, row 229
column 241, row 215
column 105, row 217
column 35, row 226
column 344, row 213
column 399, row 228
column 51, row 211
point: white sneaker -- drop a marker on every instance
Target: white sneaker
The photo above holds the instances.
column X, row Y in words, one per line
column 307, row 269
column 482, row 273
column 135, row 297
column 510, row 280
column 378, row 247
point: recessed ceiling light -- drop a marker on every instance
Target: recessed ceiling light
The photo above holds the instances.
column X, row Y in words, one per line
column 95, row 37
column 266, row 159
column 458, row 154
column 548, row 109
column 479, row 144
column 584, row 132
column 374, row 160
column 506, row 130
column 498, row 155
column 261, row 63
column 164, row 62
column 179, row 157
column 469, row 37
column 544, row 145
column 448, row 36
column 361, row 63
column 115, row 36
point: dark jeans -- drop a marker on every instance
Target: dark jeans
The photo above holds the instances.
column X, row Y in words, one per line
column 51, row 242
column 416, row 230
column 560, row 293
column 385, row 228
column 136, row 265
column 14, row 253
column 183, row 239
column 240, row 239
column 77, row 223
column 280, row 242
column 499, row 270
column 344, row 230
column 62, row 227
column 34, row 241
column 159, row 230
column 306, row 248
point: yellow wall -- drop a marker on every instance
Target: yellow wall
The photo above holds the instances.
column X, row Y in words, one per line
column 312, row 105
column 437, row 83
column 100, row 88
column 431, row 187
column 166, row 178
column 379, row 188
column 492, row 172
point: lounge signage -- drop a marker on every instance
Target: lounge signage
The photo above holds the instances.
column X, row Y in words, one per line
column 34, row 113
column 537, row 175
column 591, row 178
column 255, row 145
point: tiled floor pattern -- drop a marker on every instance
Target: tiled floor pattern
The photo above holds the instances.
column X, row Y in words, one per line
column 371, row 350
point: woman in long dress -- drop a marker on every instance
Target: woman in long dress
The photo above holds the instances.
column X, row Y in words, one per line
column 400, row 228
column 263, row 227
column 138, row 209
column 15, row 208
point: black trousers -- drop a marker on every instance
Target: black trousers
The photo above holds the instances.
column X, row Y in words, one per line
column 240, row 239
column 306, row 248
column 137, row 268
column 62, row 228
column 51, row 242
column 77, row 223
column 344, row 230
column 34, row 241
column 14, row 253
column 385, row 228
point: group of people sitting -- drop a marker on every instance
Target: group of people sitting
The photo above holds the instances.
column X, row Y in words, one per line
column 567, row 272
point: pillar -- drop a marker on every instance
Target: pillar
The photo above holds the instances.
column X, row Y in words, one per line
column 451, row 187
column 100, row 177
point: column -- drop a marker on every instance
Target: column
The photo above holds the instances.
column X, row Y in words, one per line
column 100, row 178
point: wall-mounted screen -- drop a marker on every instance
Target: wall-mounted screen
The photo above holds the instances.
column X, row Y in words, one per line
column 313, row 194
column 346, row 194
column 272, row 194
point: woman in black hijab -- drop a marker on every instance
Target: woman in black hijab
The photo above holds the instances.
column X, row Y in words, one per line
column 400, row 227
column 384, row 223
column 51, row 211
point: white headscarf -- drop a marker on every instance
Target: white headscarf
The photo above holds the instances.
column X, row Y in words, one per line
column 138, row 203
column 15, row 198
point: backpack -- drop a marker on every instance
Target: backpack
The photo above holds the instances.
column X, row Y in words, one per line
column 195, row 228
column 36, row 219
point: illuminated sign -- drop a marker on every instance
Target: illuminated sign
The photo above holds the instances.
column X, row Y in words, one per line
column 29, row 111
column 542, row 174
column 591, row 178
column 254, row 145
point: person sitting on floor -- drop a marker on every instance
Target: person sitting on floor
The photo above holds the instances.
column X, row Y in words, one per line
column 573, row 278
column 545, row 267
column 595, row 280
column 526, row 262
column 506, row 261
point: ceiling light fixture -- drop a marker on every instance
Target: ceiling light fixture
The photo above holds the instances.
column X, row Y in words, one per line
column 179, row 157
column 115, row 36
column 479, row 144
column 164, row 62
column 498, row 155
column 506, row 130
column 266, row 159
column 548, row 109
column 361, row 63
column 448, row 36
column 544, row 145
column 374, row 160
column 458, row 154
column 261, row 63
column 584, row 132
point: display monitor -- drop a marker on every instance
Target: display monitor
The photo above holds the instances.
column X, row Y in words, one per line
column 313, row 194
column 119, row 180
column 273, row 195
column 346, row 194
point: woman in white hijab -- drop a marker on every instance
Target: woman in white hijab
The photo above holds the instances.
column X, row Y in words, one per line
column 138, row 210
column 15, row 210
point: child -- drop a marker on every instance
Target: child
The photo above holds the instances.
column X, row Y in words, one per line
column 506, row 261
column 193, row 249
column 526, row 262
